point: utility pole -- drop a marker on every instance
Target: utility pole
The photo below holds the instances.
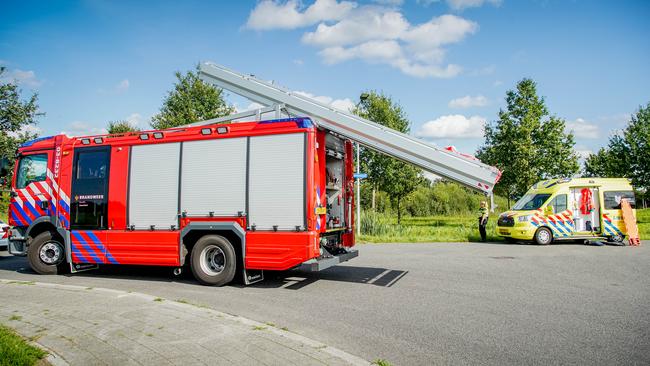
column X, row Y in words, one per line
column 358, row 192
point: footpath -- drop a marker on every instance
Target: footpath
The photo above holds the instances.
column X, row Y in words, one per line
column 95, row 326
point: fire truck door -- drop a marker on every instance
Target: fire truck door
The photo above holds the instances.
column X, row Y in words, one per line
column 31, row 197
column 89, row 204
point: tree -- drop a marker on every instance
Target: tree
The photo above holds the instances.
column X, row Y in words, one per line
column 627, row 154
column 16, row 114
column 527, row 143
column 116, row 127
column 385, row 173
column 610, row 162
column 191, row 100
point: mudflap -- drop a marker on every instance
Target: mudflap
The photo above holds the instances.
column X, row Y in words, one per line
column 81, row 267
column 74, row 267
column 252, row 276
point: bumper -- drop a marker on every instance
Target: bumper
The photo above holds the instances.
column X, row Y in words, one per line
column 17, row 242
column 519, row 233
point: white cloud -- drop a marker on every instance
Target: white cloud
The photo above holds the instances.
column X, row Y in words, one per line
column 122, row 86
column 298, row 62
column 445, row 29
column 468, row 101
column 343, row 104
column 290, row 15
column 380, row 35
column 583, row 129
column 464, row 4
column 135, row 119
column 386, row 37
column 453, row 126
column 80, row 128
column 31, row 129
column 368, row 23
column 22, row 78
column 389, row 2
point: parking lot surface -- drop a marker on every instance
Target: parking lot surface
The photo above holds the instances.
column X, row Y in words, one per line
column 439, row 303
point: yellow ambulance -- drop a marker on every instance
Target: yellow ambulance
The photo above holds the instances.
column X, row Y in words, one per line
column 568, row 209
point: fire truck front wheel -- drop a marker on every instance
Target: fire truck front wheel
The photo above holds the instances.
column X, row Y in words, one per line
column 46, row 254
column 213, row 260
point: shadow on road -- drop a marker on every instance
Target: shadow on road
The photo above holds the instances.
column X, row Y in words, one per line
column 296, row 279
column 292, row 279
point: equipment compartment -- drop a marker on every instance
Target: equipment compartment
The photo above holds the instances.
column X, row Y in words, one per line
column 334, row 178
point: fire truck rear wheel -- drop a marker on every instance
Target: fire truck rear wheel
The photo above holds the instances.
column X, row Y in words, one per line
column 46, row 255
column 213, row 260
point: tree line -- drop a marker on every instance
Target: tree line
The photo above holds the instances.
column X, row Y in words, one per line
column 527, row 143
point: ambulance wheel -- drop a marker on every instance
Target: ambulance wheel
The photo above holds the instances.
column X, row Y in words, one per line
column 543, row 236
column 213, row 260
column 46, row 255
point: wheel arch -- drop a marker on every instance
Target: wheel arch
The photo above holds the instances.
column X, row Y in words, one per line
column 40, row 225
column 232, row 231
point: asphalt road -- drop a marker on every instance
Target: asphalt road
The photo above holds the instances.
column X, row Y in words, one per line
column 443, row 303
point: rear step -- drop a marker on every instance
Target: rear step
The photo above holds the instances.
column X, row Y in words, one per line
column 321, row 263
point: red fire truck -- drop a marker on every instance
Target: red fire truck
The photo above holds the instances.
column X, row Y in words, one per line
column 224, row 199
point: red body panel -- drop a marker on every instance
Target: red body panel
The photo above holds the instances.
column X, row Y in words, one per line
column 266, row 250
column 279, row 250
column 160, row 248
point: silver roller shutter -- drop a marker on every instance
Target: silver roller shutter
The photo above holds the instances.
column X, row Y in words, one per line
column 277, row 181
column 213, row 177
column 153, row 189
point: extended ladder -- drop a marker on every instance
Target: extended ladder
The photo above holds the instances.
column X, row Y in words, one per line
column 447, row 164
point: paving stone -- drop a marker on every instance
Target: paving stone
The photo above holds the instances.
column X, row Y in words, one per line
column 86, row 326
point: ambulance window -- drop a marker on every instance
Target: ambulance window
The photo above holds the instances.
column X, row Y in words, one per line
column 559, row 203
column 32, row 168
column 613, row 199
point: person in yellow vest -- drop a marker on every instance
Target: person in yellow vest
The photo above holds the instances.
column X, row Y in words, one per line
column 483, row 215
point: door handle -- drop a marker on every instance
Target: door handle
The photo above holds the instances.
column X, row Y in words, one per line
column 44, row 205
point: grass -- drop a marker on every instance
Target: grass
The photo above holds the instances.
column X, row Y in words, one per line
column 380, row 362
column 643, row 222
column 381, row 228
column 15, row 351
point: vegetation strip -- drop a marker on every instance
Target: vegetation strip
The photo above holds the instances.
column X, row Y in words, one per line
column 14, row 350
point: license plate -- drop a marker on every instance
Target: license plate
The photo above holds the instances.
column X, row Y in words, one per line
column 504, row 232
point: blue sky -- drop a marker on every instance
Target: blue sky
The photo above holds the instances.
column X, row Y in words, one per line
column 447, row 62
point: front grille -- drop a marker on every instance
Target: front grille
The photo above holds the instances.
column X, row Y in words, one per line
column 506, row 221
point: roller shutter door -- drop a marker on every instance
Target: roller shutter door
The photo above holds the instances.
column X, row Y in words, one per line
column 277, row 182
column 153, row 186
column 213, row 177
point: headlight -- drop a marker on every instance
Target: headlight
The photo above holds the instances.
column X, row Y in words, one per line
column 524, row 218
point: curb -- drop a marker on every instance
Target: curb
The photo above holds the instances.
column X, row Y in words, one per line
column 56, row 360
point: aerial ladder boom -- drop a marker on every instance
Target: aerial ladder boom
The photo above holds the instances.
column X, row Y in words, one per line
column 448, row 164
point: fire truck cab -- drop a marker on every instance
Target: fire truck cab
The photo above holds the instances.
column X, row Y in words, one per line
column 254, row 196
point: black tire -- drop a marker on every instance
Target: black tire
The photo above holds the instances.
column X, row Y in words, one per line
column 46, row 254
column 213, row 261
column 543, row 236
